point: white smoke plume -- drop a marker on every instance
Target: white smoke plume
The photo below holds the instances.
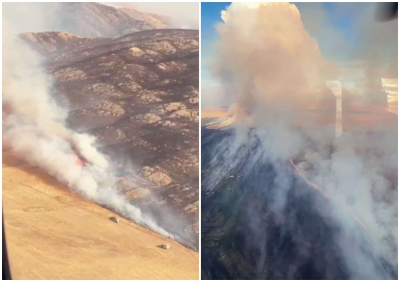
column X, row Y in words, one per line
column 34, row 126
column 254, row 34
column 276, row 67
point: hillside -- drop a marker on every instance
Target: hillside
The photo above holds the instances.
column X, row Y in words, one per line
column 262, row 220
column 138, row 95
column 54, row 234
column 90, row 19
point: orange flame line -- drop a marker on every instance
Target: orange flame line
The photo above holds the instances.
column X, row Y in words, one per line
column 361, row 223
column 315, row 186
column 312, row 184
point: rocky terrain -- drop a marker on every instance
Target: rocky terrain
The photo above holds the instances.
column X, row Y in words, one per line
column 138, row 95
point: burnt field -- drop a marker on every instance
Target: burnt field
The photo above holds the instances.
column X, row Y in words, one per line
column 262, row 220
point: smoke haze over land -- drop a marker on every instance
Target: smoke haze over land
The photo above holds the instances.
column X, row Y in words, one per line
column 269, row 65
column 175, row 19
column 34, row 125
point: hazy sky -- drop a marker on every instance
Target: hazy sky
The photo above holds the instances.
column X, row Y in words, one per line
column 181, row 14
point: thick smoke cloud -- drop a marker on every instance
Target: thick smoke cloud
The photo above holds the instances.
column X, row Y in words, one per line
column 276, row 67
column 266, row 52
column 34, row 125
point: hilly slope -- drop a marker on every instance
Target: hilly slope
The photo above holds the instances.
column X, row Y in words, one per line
column 87, row 19
column 262, row 220
column 98, row 20
column 54, row 234
column 138, row 95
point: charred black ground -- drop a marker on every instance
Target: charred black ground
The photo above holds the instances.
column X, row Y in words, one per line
column 243, row 237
